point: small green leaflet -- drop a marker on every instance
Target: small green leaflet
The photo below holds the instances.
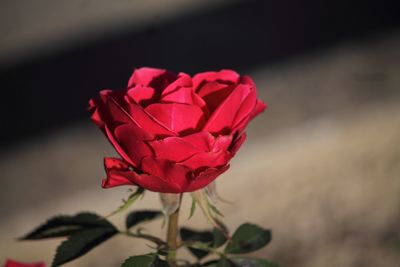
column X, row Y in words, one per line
column 248, row 238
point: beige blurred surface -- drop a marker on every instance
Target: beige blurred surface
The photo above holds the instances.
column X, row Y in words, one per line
column 26, row 31
column 321, row 168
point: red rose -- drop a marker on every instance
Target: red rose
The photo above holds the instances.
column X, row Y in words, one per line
column 11, row 263
column 174, row 133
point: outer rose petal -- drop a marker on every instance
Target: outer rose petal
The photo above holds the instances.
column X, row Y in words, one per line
column 207, row 159
column 11, row 263
column 131, row 139
column 117, row 147
column 119, row 174
column 174, row 174
column 205, row 177
column 223, row 117
column 245, row 108
column 260, row 107
column 106, row 109
column 156, row 78
column 177, row 117
column 224, row 76
column 237, row 143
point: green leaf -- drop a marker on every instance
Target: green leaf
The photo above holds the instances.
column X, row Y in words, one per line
column 64, row 225
column 136, row 217
column 219, row 238
column 223, row 262
column 80, row 243
column 148, row 260
column 248, row 238
column 212, row 263
column 127, row 203
column 199, row 236
column 253, row 262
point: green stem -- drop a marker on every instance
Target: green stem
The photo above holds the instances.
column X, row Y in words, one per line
column 172, row 238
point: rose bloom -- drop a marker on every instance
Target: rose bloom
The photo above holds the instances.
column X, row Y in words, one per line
column 174, row 133
column 11, row 263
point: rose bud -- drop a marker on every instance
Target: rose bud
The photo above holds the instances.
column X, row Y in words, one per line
column 174, row 133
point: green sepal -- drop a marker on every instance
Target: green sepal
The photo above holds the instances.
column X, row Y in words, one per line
column 127, row 203
column 248, row 238
column 192, row 208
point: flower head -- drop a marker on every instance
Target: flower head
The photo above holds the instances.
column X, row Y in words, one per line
column 174, row 133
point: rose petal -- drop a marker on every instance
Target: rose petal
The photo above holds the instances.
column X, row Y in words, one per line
column 205, row 178
column 183, row 95
column 117, row 173
column 204, row 141
column 107, row 109
column 237, row 143
column 246, row 107
column 222, row 118
column 214, row 93
column 172, row 173
column 186, row 95
column 183, row 80
column 203, row 160
column 131, row 139
column 245, row 79
column 142, row 95
column 115, row 144
column 260, row 107
column 224, row 76
column 222, row 142
column 177, row 117
column 155, row 184
column 146, row 121
column 174, row 148
column 156, row 78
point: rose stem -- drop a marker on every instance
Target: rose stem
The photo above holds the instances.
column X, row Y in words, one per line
column 172, row 237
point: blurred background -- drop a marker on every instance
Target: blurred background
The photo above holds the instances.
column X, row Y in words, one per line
column 321, row 166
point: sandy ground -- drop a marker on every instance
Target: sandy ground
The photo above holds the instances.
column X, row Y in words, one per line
column 320, row 168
